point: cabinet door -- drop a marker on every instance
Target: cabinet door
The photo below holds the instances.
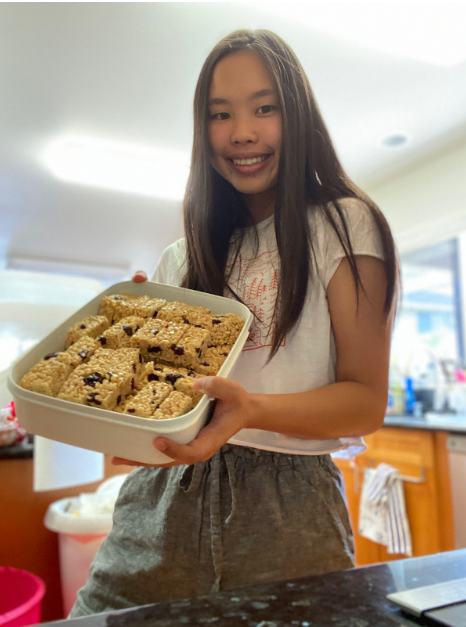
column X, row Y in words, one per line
column 414, row 453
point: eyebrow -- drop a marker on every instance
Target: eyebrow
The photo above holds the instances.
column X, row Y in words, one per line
column 255, row 96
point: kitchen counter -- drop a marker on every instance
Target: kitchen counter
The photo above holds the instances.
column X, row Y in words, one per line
column 456, row 423
column 350, row 598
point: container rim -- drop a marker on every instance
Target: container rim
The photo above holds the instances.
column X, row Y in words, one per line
column 27, row 605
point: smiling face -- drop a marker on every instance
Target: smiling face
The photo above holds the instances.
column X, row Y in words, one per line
column 245, row 126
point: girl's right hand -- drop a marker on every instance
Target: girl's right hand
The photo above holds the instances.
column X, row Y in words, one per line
column 139, row 277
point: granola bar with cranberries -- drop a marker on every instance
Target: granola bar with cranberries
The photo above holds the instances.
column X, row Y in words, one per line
column 119, row 334
column 48, row 376
column 92, row 326
column 145, row 402
column 176, row 404
column 212, row 361
column 156, row 337
column 82, row 350
column 190, row 349
column 105, row 380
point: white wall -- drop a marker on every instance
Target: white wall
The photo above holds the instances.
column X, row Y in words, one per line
column 426, row 203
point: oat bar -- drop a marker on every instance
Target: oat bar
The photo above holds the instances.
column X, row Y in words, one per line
column 189, row 349
column 149, row 308
column 82, row 350
column 176, row 404
column 148, row 399
column 156, row 337
column 109, row 376
column 48, row 376
column 118, row 306
column 225, row 329
column 181, row 312
column 91, row 326
column 212, row 361
column 119, row 335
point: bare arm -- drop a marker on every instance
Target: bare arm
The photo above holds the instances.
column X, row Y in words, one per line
column 356, row 403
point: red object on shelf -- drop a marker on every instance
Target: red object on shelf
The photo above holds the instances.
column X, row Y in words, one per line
column 21, row 595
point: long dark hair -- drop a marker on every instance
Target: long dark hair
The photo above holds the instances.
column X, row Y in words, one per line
column 309, row 174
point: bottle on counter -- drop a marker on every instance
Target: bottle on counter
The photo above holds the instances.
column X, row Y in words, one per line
column 396, row 394
column 409, row 397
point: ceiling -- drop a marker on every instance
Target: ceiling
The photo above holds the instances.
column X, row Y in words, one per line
column 127, row 72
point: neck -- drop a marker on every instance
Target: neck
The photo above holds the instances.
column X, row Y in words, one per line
column 261, row 205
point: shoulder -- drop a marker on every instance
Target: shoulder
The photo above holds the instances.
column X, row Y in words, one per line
column 354, row 212
column 171, row 265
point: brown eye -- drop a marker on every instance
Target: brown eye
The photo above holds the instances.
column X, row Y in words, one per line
column 220, row 116
column 266, row 109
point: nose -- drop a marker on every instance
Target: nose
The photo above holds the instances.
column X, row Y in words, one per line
column 243, row 131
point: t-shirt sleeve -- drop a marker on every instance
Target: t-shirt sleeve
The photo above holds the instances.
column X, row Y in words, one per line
column 171, row 267
column 364, row 235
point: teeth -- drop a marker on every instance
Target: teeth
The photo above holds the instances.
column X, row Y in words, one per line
column 250, row 161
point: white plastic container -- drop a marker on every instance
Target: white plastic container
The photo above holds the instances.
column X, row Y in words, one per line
column 122, row 435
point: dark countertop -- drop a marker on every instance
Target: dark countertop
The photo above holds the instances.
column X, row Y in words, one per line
column 455, row 423
column 23, row 450
column 350, row 598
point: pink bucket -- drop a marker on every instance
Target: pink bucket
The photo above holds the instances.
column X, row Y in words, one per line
column 21, row 595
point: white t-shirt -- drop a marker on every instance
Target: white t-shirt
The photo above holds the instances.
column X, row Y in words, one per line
column 307, row 358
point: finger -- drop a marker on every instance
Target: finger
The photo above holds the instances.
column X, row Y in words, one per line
column 218, row 387
column 139, row 277
column 118, row 461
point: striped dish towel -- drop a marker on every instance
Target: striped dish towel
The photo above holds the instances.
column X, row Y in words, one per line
column 382, row 510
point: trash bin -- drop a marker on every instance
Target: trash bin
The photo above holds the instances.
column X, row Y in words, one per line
column 82, row 524
column 21, row 595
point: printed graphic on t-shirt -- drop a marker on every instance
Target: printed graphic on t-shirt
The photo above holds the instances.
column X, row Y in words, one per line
column 255, row 280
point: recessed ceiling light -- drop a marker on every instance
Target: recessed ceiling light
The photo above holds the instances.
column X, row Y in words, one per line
column 119, row 166
column 395, row 141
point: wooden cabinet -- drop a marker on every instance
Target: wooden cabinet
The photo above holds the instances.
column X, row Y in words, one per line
column 24, row 541
column 421, row 455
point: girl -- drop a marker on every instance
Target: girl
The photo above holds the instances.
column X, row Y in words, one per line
column 270, row 219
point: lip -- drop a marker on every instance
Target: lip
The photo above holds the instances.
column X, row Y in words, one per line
column 248, row 169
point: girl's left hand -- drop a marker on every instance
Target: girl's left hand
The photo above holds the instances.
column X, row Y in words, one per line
column 233, row 412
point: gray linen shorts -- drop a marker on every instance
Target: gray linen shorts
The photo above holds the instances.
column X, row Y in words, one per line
column 244, row 517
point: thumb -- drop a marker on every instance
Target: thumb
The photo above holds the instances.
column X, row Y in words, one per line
column 218, row 387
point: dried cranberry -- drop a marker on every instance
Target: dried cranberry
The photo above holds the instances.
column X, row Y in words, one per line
column 92, row 399
column 119, row 400
column 83, row 354
column 117, row 298
column 93, row 378
column 178, row 350
column 83, row 326
column 154, row 315
column 131, row 410
column 205, row 364
column 132, row 383
column 154, row 331
column 198, row 326
column 216, row 321
column 127, row 330
column 153, row 377
column 158, row 369
column 102, row 340
column 171, row 378
column 154, row 349
column 134, row 367
column 191, row 373
column 50, row 356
